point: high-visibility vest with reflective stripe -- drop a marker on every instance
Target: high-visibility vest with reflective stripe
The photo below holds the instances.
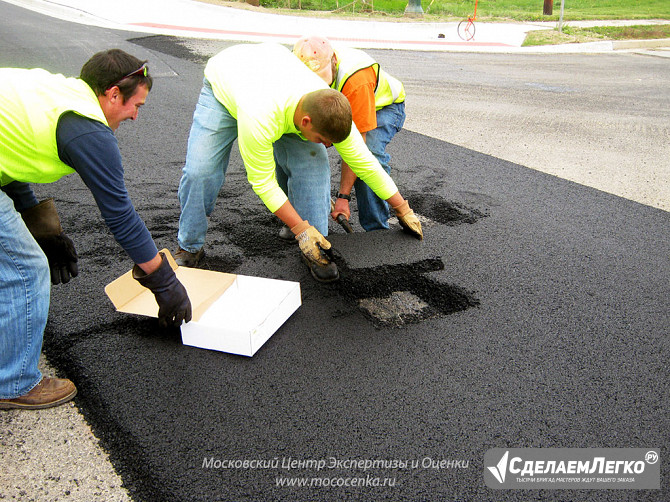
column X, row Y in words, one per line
column 388, row 89
column 31, row 103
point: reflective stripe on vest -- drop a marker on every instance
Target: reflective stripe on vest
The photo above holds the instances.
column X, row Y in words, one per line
column 387, row 90
column 31, row 103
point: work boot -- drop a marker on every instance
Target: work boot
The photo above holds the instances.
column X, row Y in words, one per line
column 285, row 234
column 322, row 273
column 187, row 259
column 46, row 394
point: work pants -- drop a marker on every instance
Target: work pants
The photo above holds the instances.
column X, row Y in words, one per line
column 373, row 212
column 25, row 289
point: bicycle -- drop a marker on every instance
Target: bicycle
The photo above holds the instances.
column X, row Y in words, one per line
column 466, row 28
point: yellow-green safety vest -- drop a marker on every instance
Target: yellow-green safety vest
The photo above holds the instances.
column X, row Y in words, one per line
column 388, row 89
column 31, row 103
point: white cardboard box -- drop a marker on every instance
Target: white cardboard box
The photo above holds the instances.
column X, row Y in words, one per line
column 231, row 313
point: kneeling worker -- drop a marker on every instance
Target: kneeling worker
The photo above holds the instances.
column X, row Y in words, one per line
column 284, row 116
column 51, row 126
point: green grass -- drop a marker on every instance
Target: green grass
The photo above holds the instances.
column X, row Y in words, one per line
column 642, row 32
column 520, row 10
column 577, row 35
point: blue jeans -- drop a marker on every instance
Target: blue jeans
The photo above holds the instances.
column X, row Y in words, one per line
column 25, row 288
column 302, row 171
column 373, row 212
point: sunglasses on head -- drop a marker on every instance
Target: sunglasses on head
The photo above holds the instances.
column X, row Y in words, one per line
column 142, row 70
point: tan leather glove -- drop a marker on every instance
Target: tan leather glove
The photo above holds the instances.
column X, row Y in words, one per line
column 408, row 220
column 311, row 242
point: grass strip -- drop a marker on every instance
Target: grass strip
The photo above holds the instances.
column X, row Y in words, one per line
column 518, row 10
column 579, row 35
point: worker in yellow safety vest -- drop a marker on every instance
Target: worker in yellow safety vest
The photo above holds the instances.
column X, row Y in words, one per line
column 51, row 126
column 283, row 117
column 378, row 107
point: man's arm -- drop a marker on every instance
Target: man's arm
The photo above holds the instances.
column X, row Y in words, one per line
column 356, row 154
column 360, row 92
column 347, row 180
column 288, row 215
column 255, row 140
column 354, row 151
column 21, row 194
column 151, row 265
column 90, row 148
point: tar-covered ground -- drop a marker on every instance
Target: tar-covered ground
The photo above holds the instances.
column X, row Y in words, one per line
column 534, row 314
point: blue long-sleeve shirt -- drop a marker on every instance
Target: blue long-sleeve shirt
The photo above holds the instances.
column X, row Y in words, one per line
column 90, row 148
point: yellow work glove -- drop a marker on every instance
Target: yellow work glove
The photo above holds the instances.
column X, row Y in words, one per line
column 408, row 220
column 311, row 242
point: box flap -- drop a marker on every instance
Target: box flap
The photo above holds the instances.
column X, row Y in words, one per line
column 203, row 288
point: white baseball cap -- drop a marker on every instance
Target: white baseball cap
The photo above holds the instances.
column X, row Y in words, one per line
column 317, row 53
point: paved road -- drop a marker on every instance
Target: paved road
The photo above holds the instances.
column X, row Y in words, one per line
column 599, row 120
column 543, row 317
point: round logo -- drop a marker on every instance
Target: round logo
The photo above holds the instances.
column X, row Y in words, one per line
column 651, row 457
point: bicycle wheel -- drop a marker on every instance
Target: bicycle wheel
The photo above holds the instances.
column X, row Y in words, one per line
column 466, row 30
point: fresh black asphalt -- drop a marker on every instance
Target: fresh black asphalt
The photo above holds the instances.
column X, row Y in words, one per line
column 546, row 326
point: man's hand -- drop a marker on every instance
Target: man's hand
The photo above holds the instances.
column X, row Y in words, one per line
column 174, row 305
column 408, row 219
column 311, row 242
column 62, row 257
column 44, row 224
column 341, row 206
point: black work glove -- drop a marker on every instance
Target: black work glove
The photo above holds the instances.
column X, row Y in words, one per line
column 174, row 305
column 44, row 224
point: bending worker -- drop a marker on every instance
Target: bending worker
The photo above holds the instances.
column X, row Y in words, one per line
column 51, row 126
column 378, row 106
column 284, row 117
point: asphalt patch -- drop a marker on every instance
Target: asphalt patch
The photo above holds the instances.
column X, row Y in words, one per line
column 384, row 272
column 395, row 295
column 365, row 250
column 393, row 307
column 443, row 211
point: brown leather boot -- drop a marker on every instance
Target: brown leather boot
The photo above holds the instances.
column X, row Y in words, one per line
column 49, row 392
column 185, row 258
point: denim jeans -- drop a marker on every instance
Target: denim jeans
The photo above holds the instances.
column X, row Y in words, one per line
column 25, row 289
column 373, row 212
column 302, row 171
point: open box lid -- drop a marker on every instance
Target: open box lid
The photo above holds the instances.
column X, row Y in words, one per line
column 203, row 288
